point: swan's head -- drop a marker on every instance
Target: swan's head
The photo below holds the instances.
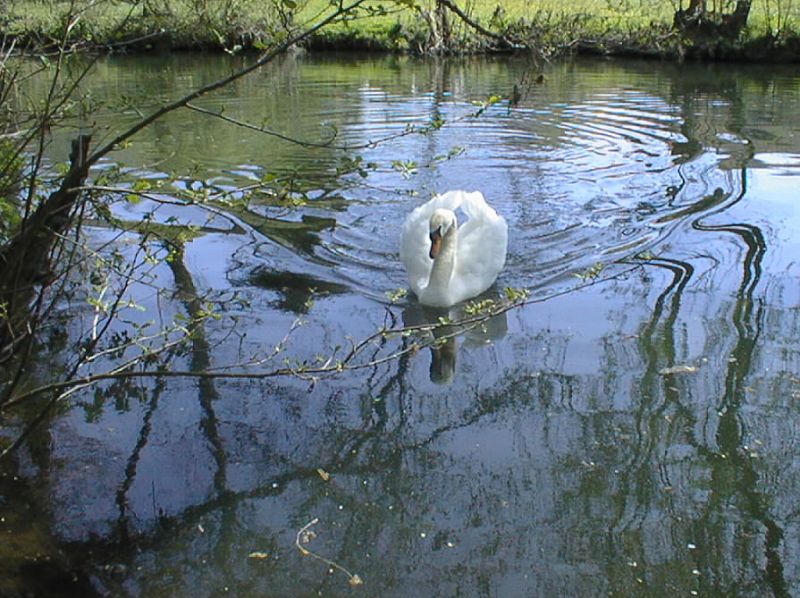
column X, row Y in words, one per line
column 442, row 222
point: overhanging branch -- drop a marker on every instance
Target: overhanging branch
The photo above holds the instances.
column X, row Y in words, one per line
column 503, row 41
column 267, row 57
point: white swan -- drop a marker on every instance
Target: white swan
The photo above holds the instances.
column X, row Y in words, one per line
column 447, row 264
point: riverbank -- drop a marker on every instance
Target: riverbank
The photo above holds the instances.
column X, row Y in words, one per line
column 553, row 28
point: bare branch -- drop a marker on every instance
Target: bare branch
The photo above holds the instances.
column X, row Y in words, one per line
column 261, row 129
column 330, row 367
column 369, row 144
column 502, row 40
column 182, row 102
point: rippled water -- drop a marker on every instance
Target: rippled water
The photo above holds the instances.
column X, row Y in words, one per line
column 632, row 431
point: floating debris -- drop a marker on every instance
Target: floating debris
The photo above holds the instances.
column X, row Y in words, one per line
column 679, row 369
column 306, row 535
column 258, row 555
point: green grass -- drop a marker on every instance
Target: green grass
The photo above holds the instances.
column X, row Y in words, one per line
column 605, row 24
column 402, row 29
column 173, row 24
column 595, row 16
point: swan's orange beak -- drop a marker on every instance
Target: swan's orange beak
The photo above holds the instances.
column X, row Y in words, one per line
column 436, row 243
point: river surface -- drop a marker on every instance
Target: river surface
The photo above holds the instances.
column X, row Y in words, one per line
column 632, row 431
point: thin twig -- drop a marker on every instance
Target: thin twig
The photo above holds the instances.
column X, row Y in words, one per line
column 304, row 535
column 205, row 89
column 261, row 129
column 369, row 144
column 504, row 41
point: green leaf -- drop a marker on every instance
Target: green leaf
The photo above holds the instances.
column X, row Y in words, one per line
column 141, row 185
column 514, row 295
column 396, row 295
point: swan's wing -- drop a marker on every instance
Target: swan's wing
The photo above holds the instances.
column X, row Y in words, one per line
column 477, row 210
column 451, row 200
column 415, row 241
column 482, row 246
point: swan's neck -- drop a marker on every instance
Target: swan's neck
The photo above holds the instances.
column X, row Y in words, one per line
column 445, row 262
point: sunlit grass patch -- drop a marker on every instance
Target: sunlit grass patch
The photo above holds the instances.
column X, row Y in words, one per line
column 384, row 24
column 182, row 23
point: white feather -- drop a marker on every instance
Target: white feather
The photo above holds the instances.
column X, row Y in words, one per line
column 480, row 251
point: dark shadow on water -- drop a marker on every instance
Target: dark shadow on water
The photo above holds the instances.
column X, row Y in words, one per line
column 294, row 290
column 300, row 236
column 45, row 579
column 32, row 563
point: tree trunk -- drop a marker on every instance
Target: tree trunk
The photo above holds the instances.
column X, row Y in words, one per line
column 439, row 24
column 735, row 22
column 25, row 260
column 705, row 26
column 685, row 19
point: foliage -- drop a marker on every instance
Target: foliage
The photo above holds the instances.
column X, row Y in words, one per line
column 11, row 179
column 236, row 25
column 225, row 24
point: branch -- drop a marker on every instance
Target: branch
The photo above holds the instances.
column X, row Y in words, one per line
column 260, row 129
column 182, row 102
column 304, row 371
column 446, row 329
column 504, row 41
column 371, row 143
column 43, row 412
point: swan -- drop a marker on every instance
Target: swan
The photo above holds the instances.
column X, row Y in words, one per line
column 447, row 264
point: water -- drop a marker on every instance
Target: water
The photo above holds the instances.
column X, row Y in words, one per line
column 631, row 431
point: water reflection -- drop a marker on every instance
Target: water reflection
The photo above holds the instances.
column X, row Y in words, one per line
column 630, row 432
column 444, row 348
column 296, row 291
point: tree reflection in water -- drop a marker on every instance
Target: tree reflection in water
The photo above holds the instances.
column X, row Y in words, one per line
column 630, row 432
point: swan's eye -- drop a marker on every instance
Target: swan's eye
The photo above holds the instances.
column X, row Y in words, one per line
column 436, row 234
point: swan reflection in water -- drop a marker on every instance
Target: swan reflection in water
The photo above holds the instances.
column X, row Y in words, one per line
column 444, row 354
column 448, row 264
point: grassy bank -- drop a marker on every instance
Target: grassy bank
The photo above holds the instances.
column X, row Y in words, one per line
column 641, row 27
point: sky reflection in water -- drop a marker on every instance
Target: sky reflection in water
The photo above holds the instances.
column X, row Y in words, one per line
column 629, row 434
